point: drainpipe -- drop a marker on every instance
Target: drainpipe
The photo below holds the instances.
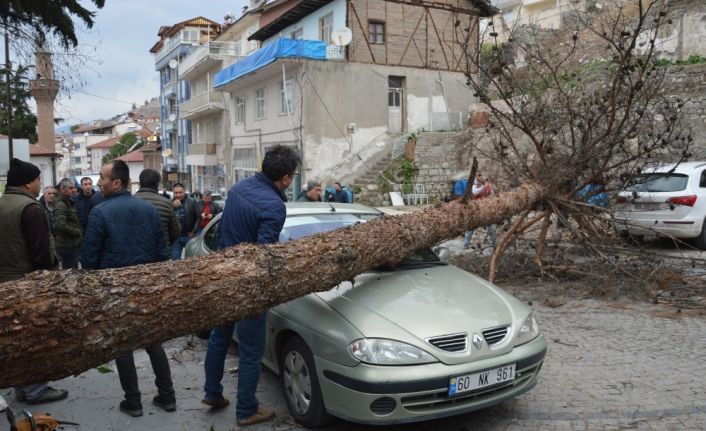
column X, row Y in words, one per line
column 8, row 68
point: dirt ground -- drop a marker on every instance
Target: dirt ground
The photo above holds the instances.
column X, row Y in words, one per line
column 655, row 273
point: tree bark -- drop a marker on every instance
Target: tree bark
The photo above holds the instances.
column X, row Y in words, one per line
column 59, row 323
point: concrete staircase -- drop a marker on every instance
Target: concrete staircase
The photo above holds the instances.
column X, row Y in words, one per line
column 368, row 184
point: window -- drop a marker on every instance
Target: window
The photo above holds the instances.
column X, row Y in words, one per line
column 236, row 47
column 240, row 110
column 376, row 32
column 658, row 182
column 326, row 27
column 260, row 109
column 77, row 160
column 702, row 180
column 190, row 35
column 244, row 162
column 298, row 34
column 287, row 104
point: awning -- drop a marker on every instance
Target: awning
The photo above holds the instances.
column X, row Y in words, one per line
column 282, row 48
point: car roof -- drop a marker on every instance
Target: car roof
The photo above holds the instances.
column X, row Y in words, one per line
column 680, row 168
column 309, row 208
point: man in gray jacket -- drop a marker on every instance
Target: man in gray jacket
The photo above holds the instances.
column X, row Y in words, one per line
column 149, row 184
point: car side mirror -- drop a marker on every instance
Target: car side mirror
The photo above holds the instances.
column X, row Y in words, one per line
column 442, row 253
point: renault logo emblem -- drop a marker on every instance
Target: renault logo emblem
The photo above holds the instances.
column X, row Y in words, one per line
column 477, row 341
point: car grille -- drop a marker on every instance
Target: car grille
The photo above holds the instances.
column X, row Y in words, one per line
column 439, row 401
column 495, row 336
column 450, row 343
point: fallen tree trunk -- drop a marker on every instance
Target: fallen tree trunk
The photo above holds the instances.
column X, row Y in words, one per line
column 54, row 324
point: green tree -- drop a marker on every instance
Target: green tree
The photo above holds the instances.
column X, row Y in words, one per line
column 24, row 122
column 120, row 148
column 55, row 16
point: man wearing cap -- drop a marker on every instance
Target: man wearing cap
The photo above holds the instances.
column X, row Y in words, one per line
column 313, row 192
column 24, row 247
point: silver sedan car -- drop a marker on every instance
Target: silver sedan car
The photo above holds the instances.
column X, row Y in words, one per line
column 413, row 342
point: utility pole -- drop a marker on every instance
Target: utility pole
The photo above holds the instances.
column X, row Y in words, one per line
column 8, row 69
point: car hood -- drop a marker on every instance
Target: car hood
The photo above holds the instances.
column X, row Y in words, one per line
column 413, row 305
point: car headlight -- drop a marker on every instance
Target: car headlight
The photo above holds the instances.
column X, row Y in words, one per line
column 380, row 351
column 528, row 331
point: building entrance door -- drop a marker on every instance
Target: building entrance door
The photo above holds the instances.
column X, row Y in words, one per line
column 395, row 108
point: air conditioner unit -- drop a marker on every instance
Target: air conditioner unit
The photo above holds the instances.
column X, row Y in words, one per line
column 210, row 148
column 350, row 128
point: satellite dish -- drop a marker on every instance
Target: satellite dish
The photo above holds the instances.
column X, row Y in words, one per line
column 342, row 36
column 167, row 152
column 172, row 117
column 173, row 63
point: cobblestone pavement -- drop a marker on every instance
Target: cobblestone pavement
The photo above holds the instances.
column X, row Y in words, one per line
column 609, row 366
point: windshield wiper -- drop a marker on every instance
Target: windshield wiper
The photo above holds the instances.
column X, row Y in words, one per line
column 415, row 265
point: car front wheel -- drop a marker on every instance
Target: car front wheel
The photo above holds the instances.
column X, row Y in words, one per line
column 301, row 385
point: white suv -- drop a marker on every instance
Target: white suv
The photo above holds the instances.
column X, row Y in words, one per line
column 667, row 200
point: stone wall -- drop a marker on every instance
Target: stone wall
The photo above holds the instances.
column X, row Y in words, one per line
column 688, row 83
column 440, row 157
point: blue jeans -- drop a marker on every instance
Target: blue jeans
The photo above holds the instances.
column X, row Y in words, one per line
column 31, row 392
column 469, row 236
column 251, row 341
column 178, row 246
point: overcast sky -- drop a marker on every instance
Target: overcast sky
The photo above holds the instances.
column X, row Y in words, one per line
column 124, row 31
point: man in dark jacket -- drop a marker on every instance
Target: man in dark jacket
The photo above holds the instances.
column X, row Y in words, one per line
column 85, row 200
column 255, row 214
column 24, row 247
column 124, row 231
column 149, row 184
column 67, row 226
column 188, row 215
column 340, row 195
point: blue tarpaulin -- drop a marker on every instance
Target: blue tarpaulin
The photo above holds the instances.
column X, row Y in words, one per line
column 282, row 48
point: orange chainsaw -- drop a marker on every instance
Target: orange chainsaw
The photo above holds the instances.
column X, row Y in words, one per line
column 37, row 422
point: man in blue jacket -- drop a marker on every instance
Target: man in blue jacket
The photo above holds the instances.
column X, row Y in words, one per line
column 255, row 214
column 123, row 231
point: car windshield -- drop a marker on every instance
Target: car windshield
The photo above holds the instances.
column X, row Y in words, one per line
column 300, row 226
column 658, row 182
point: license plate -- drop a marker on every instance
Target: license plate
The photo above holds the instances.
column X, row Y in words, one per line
column 471, row 382
column 647, row 206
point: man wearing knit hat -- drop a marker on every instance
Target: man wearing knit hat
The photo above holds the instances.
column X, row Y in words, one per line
column 24, row 247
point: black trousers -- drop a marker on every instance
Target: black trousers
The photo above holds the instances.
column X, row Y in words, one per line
column 69, row 257
column 162, row 373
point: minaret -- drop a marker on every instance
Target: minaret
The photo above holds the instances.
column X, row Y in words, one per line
column 44, row 90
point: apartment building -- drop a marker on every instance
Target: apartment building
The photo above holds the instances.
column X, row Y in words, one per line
column 175, row 43
column 343, row 80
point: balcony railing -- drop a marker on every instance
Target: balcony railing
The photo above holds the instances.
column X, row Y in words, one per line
column 206, row 55
column 201, row 149
column 170, row 45
column 200, row 105
column 170, row 126
column 335, row 52
column 170, row 89
column 201, row 155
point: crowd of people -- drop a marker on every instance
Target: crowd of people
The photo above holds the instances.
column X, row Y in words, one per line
column 112, row 228
column 316, row 192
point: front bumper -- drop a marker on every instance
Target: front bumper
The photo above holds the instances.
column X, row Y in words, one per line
column 387, row 395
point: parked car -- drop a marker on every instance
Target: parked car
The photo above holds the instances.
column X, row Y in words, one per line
column 668, row 200
column 218, row 200
column 417, row 341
